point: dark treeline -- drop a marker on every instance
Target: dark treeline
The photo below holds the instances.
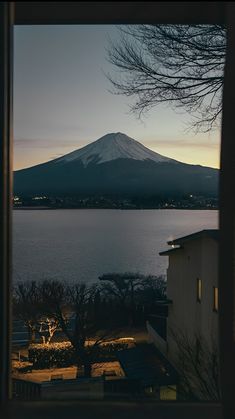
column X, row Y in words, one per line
column 177, row 201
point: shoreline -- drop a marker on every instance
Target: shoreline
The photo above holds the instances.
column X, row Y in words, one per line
column 119, row 209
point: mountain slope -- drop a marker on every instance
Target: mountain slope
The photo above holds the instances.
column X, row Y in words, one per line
column 112, row 147
column 115, row 164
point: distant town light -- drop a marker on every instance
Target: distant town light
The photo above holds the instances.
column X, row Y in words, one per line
column 38, row 197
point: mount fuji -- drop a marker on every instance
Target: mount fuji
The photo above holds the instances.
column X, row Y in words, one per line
column 115, row 165
column 112, row 147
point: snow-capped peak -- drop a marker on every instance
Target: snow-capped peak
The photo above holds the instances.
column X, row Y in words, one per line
column 111, row 147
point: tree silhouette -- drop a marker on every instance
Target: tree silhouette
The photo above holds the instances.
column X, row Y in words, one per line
column 181, row 65
column 31, row 308
column 197, row 361
column 130, row 289
column 82, row 317
column 27, row 306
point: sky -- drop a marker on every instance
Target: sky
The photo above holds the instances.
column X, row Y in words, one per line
column 63, row 100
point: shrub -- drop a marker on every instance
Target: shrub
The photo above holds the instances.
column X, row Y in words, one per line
column 107, row 351
column 22, row 367
column 54, row 355
column 62, row 354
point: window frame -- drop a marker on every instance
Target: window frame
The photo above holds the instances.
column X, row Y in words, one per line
column 106, row 13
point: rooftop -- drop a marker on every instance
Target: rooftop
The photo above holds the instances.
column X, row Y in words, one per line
column 213, row 234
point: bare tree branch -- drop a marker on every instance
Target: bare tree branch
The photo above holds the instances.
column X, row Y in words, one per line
column 198, row 366
column 181, row 65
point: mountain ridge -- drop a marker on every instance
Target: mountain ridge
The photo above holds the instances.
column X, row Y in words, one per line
column 115, row 164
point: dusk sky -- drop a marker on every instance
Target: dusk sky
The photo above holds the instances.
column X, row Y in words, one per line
column 62, row 100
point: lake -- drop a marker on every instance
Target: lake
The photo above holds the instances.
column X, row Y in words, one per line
column 83, row 244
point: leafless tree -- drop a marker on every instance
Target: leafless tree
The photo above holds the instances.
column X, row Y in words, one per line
column 152, row 289
column 82, row 318
column 131, row 288
column 198, row 366
column 29, row 306
column 180, row 65
column 121, row 285
column 47, row 326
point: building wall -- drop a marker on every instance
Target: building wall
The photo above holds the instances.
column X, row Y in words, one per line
column 197, row 259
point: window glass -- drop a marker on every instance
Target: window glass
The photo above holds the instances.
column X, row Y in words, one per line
column 199, row 289
column 215, row 299
column 105, row 177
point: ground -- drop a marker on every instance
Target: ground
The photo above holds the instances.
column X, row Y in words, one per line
column 113, row 368
column 110, row 369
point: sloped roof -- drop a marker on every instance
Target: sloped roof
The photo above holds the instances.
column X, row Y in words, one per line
column 170, row 251
column 213, row 234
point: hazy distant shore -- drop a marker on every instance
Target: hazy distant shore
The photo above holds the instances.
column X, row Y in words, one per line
column 112, row 208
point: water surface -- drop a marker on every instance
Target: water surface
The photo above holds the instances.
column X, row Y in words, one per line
column 83, row 244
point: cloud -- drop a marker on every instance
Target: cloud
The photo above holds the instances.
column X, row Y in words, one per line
column 46, row 143
column 182, row 144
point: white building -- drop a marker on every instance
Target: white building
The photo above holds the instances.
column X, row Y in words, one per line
column 192, row 290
